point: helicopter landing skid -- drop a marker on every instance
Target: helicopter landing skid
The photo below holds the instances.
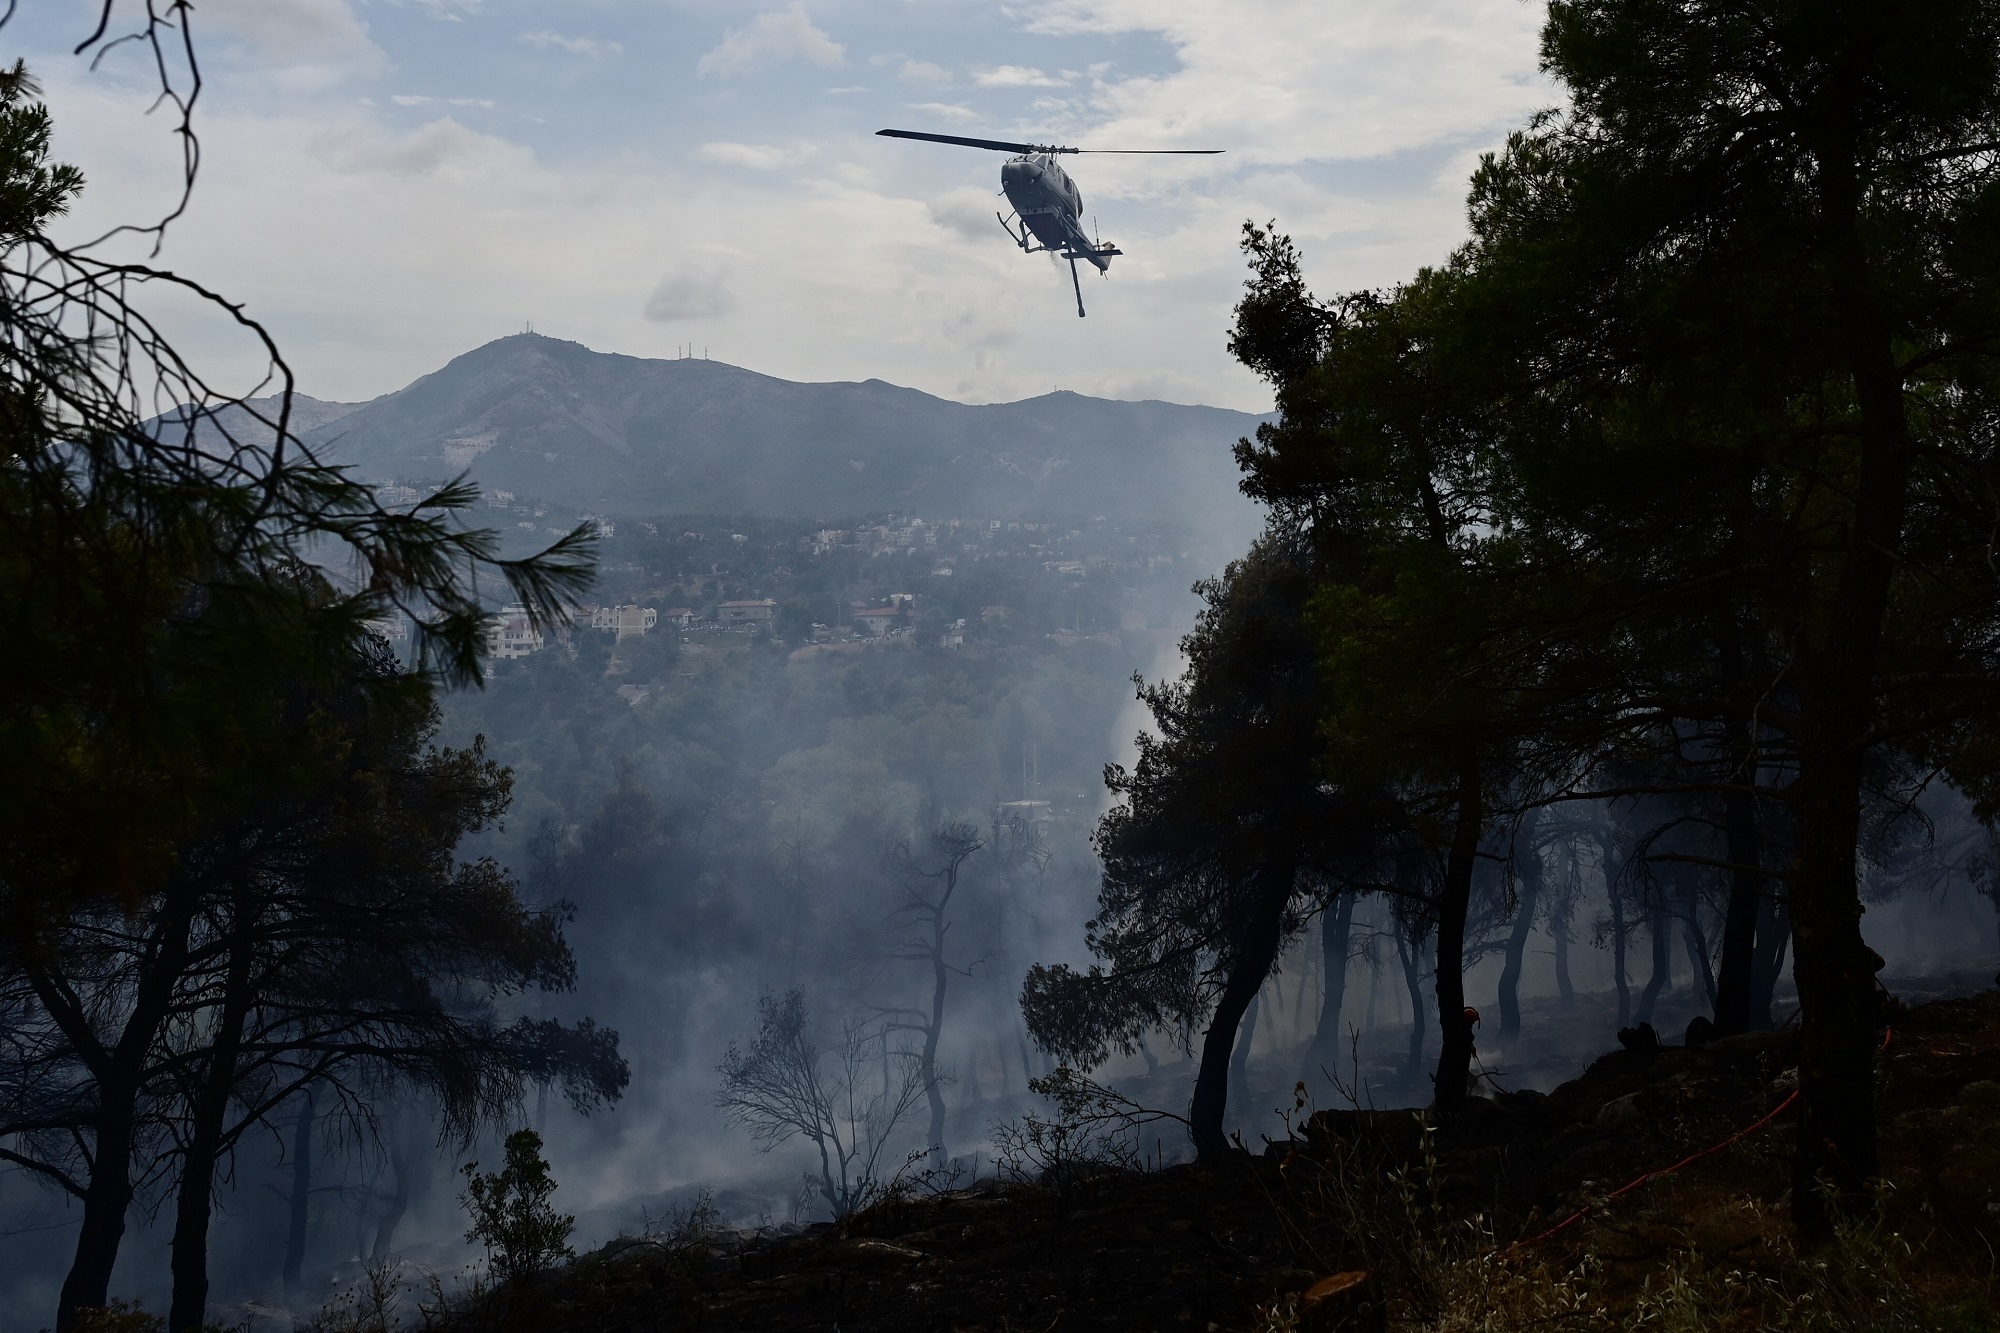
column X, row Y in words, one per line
column 1020, row 238
column 1069, row 251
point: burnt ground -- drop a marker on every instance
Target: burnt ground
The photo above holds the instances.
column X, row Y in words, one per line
column 1217, row 1247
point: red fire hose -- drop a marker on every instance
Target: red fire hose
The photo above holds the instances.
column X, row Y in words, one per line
column 1713, row 1148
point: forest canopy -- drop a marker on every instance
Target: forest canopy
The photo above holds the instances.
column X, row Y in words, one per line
column 231, row 883
column 1670, row 491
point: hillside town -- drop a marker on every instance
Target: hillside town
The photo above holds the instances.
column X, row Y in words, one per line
column 893, row 579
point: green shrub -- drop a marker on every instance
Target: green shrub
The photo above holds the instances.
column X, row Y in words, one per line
column 524, row 1236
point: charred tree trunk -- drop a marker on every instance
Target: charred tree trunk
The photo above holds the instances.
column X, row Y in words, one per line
column 1658, row 924
column 188, row 1309
column 120, row 1075
column 1835, row 972
column 1374, row 982
column 1528, row 874
column 1774, row 938
column 933, row 1089
column 1302, row 986
column 1239, row 1055
column 298, row 1213
column 1620, row 977
column 1256, row 950
column 1336, row 931
column 1565, row 988
column 929, row 906
column 1746, row 884
column 1409, row 952
column 1697, row 951
column 105, row 1202
column 971, row 1095
column 397, row 1201
column 1448, row 1090
column 1833, row 966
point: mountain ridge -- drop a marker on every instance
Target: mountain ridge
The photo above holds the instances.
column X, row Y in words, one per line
column 560, row 422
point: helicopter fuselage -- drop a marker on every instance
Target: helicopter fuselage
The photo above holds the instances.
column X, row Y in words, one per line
column 1046, row 201
column 1050, row 206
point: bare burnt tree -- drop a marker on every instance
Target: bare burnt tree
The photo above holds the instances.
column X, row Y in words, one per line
column 788, row 1084
column 1544, row 878
column 927, row 877
column 398, row 1178
column 1336, row 948
column 1525, row 866
column 1409, row 934
column 1564, row 889
column 298, row 1200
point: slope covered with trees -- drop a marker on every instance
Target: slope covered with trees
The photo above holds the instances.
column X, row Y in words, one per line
column 1628, row 579
column 1669, row 492
column 227, row 870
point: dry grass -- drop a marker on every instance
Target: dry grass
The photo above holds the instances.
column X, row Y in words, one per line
column 1708, row 1247
column 1704, row 1259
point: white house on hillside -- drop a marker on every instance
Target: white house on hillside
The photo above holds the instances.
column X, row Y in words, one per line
column 511, row 634
column 626, row 621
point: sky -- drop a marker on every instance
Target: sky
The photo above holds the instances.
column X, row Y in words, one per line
column 389, row 183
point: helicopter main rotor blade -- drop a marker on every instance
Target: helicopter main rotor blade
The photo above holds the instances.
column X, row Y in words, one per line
column 997, row 145
column 1004, row 146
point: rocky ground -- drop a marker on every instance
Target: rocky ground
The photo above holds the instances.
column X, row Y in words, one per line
column 1434, row 1212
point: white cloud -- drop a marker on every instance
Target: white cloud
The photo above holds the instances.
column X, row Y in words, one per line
column 782, row 35
column 923, row 71
column 418, row 99
column 378, row 251
column 1167, row 386
column 966, row 211
column 691, row 293
column 1280, row 82
column 842, row 92
column 756, row 156
column 443, row 149
column 945, row 110
column 978, row 330
column 320, row 35
column 576, row 46
column 379, row 246
column 1015, row 76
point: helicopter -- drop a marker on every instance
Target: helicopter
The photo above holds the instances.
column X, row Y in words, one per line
column 1048, row 208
